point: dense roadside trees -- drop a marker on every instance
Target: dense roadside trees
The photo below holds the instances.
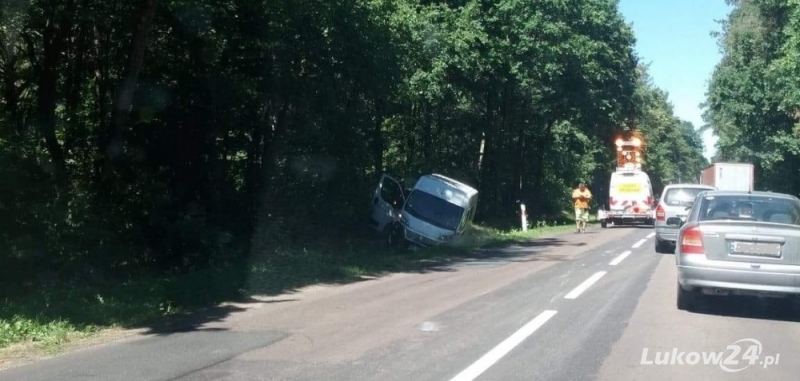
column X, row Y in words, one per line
column 160, row 135
column 673, row 147
column 754, row 95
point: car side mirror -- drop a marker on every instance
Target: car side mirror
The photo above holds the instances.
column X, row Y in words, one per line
column 674, row 221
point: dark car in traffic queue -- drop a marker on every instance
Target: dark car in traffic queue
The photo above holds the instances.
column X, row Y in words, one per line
column 738, row 243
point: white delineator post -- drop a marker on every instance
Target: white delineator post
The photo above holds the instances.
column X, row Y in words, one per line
column 523, row 217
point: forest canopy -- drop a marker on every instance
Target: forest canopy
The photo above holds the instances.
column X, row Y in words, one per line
column 754, row 95
column 156, row 135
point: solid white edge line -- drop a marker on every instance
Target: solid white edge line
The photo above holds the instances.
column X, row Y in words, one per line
column 651, row 235
column 491, row 357
column 620, row 258
column 577, row 291
column 639, row 244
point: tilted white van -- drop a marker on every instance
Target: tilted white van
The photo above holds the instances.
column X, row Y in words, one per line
column 435, row 211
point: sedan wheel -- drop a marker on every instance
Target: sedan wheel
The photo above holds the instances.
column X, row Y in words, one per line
column 662, row 247
column 687, row 300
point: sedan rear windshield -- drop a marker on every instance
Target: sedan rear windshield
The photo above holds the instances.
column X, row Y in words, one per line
column 682, row 196
column 750, row 208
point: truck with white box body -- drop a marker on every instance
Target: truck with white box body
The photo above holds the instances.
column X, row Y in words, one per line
column 729, row 176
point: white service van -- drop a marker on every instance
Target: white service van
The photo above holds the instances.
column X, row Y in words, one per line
column 630, row 199
column 436, row 210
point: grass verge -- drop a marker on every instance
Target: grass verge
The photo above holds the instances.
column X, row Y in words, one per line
column 54, row 317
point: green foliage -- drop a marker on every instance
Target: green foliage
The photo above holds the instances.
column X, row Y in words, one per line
column 673, row 152
column 753, row 95
column 219, row 131
column 20, row 328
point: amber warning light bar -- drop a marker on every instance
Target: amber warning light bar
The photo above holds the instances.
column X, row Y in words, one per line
column 629, row 152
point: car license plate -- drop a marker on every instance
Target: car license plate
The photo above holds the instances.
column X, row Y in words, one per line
column 756, row 249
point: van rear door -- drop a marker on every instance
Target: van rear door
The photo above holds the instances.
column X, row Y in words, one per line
column 630, row 192
column 386, row 201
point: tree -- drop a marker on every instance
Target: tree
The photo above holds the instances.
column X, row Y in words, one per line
column 240, row 127
column 751, row 98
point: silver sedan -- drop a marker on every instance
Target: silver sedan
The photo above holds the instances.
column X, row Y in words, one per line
column 738, row 243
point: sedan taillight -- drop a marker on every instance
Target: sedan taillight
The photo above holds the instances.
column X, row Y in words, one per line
column 692, row 241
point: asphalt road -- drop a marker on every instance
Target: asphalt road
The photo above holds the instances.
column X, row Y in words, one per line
column 600, row 305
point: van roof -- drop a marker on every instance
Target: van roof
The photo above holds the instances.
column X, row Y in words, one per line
column 468, row 190
column 429, row 184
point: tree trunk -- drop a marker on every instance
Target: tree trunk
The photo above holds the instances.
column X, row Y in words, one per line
column 100, row 68
column 538, row 191
column 508, row 194
column 427, row 143
column 144, row 20
column 438, row 128
column 74, row 84
column 377, row 138
column 411, row 138
column 487, row 178
column 267, row 219
column 46, row 101
column 11, row 94
column 519, row 161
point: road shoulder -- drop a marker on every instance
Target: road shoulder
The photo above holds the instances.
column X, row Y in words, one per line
column 427, row 292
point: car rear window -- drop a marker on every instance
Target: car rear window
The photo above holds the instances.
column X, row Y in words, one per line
column 682, row 196
column 750, row 208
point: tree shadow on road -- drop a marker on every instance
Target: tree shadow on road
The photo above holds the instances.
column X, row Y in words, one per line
column 196, row 300
column 286, row 275
column 200, row 319
column 546, row 243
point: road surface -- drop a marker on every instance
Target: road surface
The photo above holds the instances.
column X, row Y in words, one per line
column 596, row 306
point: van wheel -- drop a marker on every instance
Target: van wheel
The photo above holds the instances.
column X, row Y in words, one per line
column 603, row 224
column 393, row 235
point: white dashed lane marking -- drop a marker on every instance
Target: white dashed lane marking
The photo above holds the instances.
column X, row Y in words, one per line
column 639, row 244
column 494, row 355
column 620, row 258
column 577, row 291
